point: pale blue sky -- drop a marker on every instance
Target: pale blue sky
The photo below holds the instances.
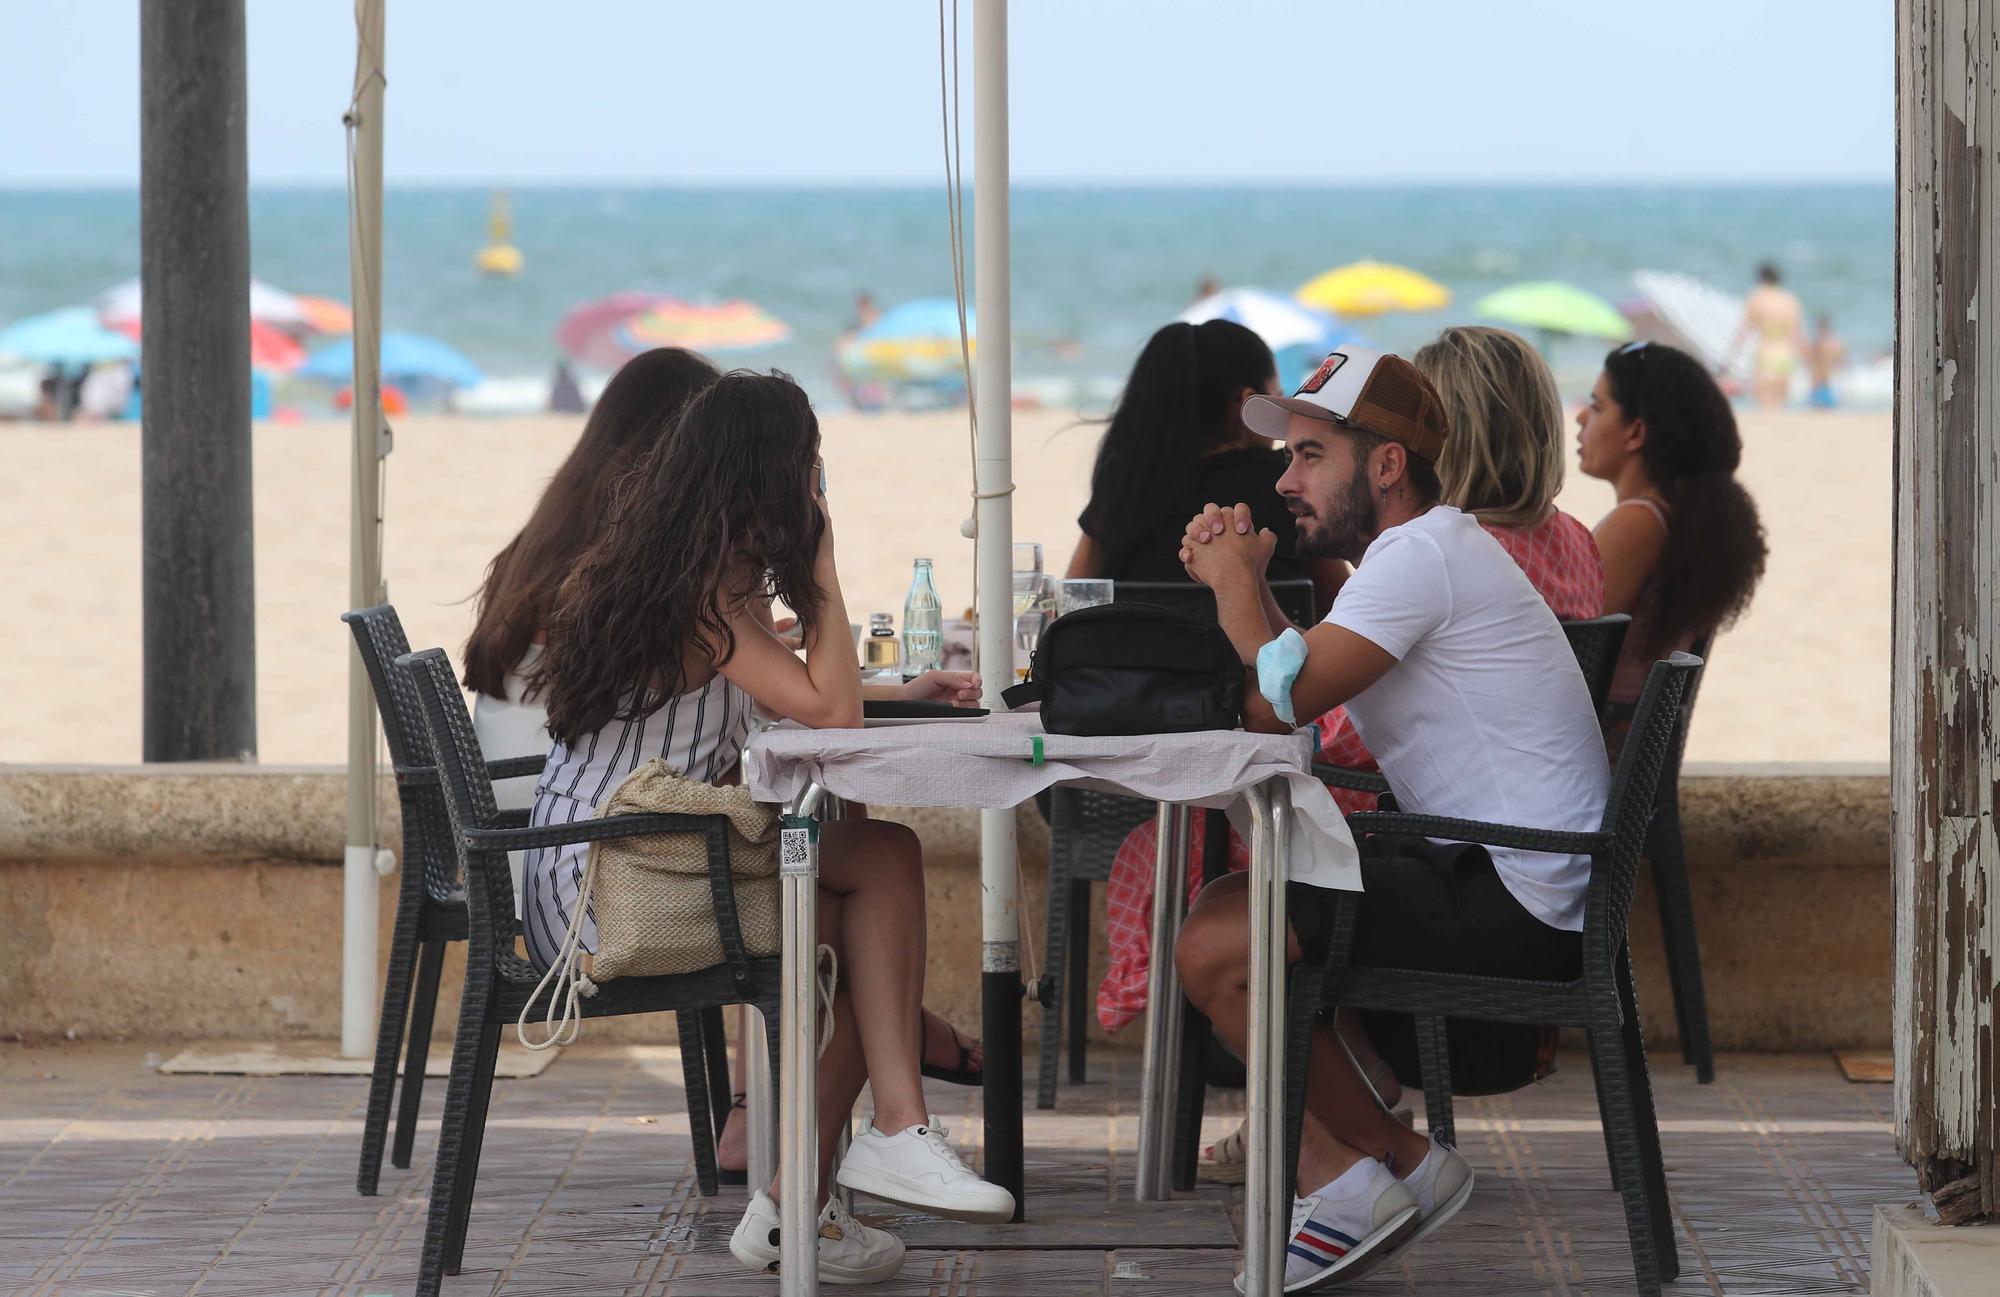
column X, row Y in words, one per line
column 1104, row 91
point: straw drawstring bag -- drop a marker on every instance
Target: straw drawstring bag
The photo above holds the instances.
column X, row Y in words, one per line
column 650, row 895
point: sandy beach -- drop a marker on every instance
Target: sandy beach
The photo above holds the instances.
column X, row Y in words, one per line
column 1804, row 677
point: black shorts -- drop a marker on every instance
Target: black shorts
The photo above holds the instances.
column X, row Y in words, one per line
column 1442, row 907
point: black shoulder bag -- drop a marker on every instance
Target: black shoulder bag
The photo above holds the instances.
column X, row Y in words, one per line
column 1134, row 668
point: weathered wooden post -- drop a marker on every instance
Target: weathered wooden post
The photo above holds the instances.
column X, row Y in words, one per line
column 199, row 598
column 1947, row 484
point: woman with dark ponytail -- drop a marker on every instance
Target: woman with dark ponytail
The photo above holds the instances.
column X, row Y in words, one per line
column 1176, row 442
column 1683, row 549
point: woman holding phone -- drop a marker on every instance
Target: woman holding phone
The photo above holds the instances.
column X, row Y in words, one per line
column 662, row 641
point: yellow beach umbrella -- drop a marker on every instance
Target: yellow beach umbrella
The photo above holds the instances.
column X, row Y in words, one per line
column 1373, row 288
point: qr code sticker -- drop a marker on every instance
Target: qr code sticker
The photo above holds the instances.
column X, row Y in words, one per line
column 795, row 851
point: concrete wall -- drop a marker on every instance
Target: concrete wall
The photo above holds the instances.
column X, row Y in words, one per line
column 204, row 901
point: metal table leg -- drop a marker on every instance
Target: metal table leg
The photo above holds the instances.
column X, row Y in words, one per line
column 1267, row 1199
column 798, row 1088
column 760, row 1102
column 1163, row 1000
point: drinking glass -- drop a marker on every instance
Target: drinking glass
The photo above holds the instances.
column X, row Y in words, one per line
column 1028, row 556
column 1073, row 593
column 1033, row 608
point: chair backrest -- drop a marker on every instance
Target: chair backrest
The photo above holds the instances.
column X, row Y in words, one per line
column 1628, row 809
column 468, row 796
column 378, row 634
column 1596, row 643
column 1295, row 597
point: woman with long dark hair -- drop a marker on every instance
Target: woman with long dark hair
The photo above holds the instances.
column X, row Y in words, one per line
column 659, row 645
column 1683, row 549
column 634, row 412
column 1177, row 441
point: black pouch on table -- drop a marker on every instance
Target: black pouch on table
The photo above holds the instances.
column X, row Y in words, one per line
column 1134, row 668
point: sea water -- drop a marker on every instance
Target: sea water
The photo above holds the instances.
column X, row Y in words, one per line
column 1095, row 270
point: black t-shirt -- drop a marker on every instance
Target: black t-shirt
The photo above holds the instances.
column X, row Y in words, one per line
column 1248, row 476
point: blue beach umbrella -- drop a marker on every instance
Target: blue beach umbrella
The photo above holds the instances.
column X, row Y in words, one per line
column 408, row 360
column 912, row 342
column 1299, row 336
column 71, row 338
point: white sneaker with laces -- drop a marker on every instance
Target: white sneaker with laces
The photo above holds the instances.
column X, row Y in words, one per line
column 849, row 1252
column 918, row 1168
column 1441, row 1184
column 1340, row 1232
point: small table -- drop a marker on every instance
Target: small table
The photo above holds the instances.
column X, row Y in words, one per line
column 1265, row 780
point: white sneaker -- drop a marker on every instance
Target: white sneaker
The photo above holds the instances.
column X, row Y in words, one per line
column 1342, row 1231
column 1441, row 1184
column 849, row 1252
column 918, row 1168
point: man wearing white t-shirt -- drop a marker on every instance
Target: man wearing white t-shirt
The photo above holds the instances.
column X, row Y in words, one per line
column 1463, row 685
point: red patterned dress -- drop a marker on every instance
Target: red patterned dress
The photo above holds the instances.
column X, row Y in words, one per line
column 1559, row 558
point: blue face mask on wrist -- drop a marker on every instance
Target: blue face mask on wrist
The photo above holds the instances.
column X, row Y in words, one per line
column 1278, row 665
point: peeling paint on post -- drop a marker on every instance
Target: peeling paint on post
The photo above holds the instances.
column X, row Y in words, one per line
column 1944, row 706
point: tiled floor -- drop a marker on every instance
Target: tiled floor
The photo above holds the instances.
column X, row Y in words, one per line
column 117, row 1180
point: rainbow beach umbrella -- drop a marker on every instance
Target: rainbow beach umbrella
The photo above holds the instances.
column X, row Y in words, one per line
column 1373, row 288
column 607, row 332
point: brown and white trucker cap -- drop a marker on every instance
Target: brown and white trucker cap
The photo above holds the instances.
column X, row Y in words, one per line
column 1358, row 388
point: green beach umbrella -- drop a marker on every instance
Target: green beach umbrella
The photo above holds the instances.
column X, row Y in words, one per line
column 1555, row 307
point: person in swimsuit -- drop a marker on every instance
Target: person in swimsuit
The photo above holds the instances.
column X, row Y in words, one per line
column 1683, row 548
column 660, row 643
column 1826, row 355
column 1773, row 316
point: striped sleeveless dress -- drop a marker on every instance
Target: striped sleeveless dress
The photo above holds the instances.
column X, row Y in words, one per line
column 700, row 733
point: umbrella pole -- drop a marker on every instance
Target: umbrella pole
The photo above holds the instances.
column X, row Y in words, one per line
column 1000, row 918
column 360, row 932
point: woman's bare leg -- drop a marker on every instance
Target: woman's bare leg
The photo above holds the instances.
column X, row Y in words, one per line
column 876, row 869
column 1344, row 1122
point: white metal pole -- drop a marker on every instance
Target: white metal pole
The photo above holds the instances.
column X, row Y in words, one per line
column 993, row 387
column 360, row 918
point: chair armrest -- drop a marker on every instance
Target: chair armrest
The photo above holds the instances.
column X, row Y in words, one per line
column 591, row 830
column 514, row 819
column 1361, row 781
column 1491, row 835
column 516, row 767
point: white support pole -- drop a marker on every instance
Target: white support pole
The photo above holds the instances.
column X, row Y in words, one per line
column 993, row 387
column 360, row 937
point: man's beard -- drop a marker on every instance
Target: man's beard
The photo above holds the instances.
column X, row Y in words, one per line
column 1348, row 530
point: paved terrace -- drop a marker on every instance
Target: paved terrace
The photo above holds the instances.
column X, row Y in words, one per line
column 114, row 1179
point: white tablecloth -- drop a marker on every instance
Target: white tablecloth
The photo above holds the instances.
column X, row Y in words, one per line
column 988, row 763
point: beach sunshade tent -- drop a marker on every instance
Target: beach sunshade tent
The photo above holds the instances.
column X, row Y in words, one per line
column 912, row 342
column 1555, row 307
column 1373, row 288
column 1703, row 317
column 71, row 338
column 409, row 360
column 268, row 304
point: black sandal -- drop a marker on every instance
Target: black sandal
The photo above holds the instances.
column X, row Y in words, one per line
column 963, row 1074
column 723, row 1174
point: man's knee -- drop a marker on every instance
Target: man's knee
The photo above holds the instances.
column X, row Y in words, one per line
column 1209, row 952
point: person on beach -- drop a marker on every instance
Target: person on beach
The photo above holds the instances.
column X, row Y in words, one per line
column 1444, row 655
column 1501, row 462
column 659, row 644
column 1683, row 548
column 503, row 654
column 1826, row 355
column 1773, row 317
column 1176, row 440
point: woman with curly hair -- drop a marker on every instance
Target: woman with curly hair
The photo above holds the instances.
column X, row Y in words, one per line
column 659, row 644
column 1683, row 549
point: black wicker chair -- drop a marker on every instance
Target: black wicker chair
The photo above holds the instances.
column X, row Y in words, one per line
column 430, row 905
column 1600, row 1000
column 1668, row 856
column 498, row 982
